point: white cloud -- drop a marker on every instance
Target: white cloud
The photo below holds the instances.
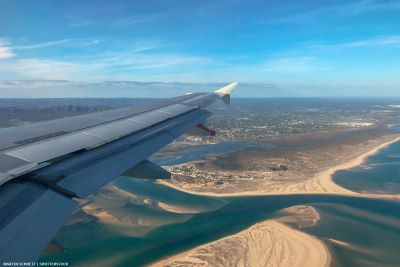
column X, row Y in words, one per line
column 389, row 40
column 33, row 68
column 78, row 22
column 146, row 45
column 153, row 61
column 393, row 40
column 6, row 52
column 136, row 19
column 292, row 65
column 369, row 5
column 5, row 49
column 106, row 66
column 351, row 9
column 79, row 42
column 160, row 67
column 46, row 44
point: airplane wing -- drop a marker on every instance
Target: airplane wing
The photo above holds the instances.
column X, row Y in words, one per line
column 45, row 166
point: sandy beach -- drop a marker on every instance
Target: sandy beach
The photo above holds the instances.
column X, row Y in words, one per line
column 320, row 183
column 269, row 243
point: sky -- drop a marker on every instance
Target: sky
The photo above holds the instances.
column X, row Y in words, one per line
column 122, row 48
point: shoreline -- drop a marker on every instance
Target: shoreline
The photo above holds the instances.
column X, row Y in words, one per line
column 323, row 181
column 326, row 177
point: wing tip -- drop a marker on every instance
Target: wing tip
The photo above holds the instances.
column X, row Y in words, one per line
column 225, row 92
column 227, row 89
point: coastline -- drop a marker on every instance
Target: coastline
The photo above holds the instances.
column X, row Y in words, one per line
column 322, row 182
column 325, row 178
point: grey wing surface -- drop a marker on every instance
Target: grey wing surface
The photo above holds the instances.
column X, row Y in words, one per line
column 45, row 166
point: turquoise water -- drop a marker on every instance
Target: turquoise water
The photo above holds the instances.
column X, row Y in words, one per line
column 379, row 174
column 371, row 229
column 370, row 226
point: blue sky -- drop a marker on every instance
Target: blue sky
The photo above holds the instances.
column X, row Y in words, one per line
column 287, row 48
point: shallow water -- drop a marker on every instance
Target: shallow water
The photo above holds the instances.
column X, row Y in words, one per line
column 380, row 173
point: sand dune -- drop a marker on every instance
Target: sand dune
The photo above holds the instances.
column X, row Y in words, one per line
column 301, row 216
column 269, row 243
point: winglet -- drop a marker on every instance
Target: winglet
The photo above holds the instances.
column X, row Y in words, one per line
column 224, row 92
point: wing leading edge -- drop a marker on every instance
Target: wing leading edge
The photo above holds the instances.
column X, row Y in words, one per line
column 44, row 166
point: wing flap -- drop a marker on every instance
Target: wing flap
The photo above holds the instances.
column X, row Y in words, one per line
column 147, row 170
column 201, row 130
